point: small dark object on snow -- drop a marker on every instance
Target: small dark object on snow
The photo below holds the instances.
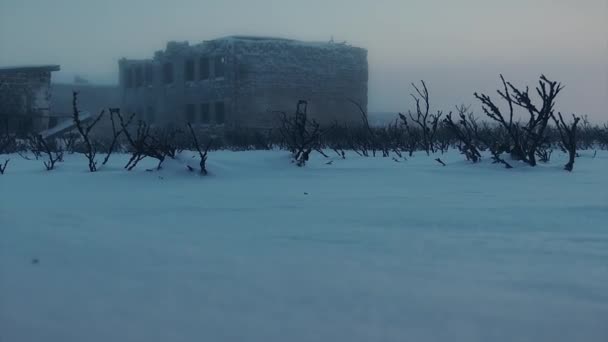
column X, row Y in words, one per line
column 306, row 193
column 35, row 261
column 329, row 162
column 396, row 160
column 3, row 166
column 440, row 161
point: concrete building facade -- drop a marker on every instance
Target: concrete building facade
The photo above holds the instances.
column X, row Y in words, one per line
column 25, row 98
column 244, row 81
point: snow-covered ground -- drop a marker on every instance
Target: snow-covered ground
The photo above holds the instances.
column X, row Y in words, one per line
column 364, row 249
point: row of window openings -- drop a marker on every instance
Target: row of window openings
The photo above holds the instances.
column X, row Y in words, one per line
column 204, row 116
column 139, row 76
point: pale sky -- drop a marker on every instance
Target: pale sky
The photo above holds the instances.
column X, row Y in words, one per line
column 458, row 47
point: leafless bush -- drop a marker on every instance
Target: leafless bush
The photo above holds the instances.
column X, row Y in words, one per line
column 603, row 137
column 167, row 141
column 50, row 150
column 525, row 139
column 544, row 153
column 141, row 144
column 367, row 139
column 427, row 122
column 301, row 134
column 445, row 137
column 8, row 141
column 85, row 131
column 201, row 152
column 3, row 166
column 69, row 142
column 567, row 132
column 466, row 130
column 117, row 130
column 413, row 139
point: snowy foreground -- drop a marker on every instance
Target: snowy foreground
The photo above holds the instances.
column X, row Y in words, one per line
column 260, row 250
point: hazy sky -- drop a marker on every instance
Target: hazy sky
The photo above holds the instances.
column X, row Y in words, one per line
column 458, row 47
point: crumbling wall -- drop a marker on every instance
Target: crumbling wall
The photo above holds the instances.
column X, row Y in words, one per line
column 25, row 100
column 273, row 75
column 261, row 76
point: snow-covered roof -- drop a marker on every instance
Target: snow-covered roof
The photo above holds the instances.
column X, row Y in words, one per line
column 255, row 38
column 48, row 67
column 267, row 39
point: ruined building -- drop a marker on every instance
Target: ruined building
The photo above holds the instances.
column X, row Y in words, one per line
column 25, row 98
column 243, row 81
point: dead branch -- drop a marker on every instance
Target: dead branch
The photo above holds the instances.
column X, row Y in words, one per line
column 85, row 130
column 202, row 153
column 568, row 135
column 117, row 131
column 525, row 139
column 53, row 153
column 301, row 135
column 3, row 166
column 427, row 122
column 466, row 131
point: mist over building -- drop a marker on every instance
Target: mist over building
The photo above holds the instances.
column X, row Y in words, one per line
column 244, row 81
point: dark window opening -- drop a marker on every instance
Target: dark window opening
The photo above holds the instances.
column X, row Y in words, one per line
column 220, row 115
column 204, row 68
column 168, row 73
column 190, row 113
column 150, row 117
column 220, row 63
column 129, row 78
column 189, row 70
column 53, row 121
column 139, row 77
column 149, row 74
column 25, row 125
column 205, row 117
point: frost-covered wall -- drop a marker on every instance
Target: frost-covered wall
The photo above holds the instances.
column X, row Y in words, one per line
column 245, row 81
column 25, row 97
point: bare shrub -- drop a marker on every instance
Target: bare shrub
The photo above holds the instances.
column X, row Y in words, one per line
column 427, row 122
column 301, row 135
column 466, row 130
column 69, row 142
column 117, row 130
column 367, row 138
column 603, row 137
column 8, row 141
column 50, row 150
column 525, row 139
column 201, row 152
column 567, row 132
column 3, row 166
column 141, row 145
column 85, row 133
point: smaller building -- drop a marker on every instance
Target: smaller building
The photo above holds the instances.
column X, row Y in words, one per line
column 25, row 98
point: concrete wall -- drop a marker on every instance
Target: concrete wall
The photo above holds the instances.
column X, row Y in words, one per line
column 273, row 75
column 25, row 102
column 92, row 98
column 165, row 103
column 260, row 77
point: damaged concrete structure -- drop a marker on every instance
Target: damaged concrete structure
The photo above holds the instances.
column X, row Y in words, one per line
column 25, row 98
column 243, row 81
